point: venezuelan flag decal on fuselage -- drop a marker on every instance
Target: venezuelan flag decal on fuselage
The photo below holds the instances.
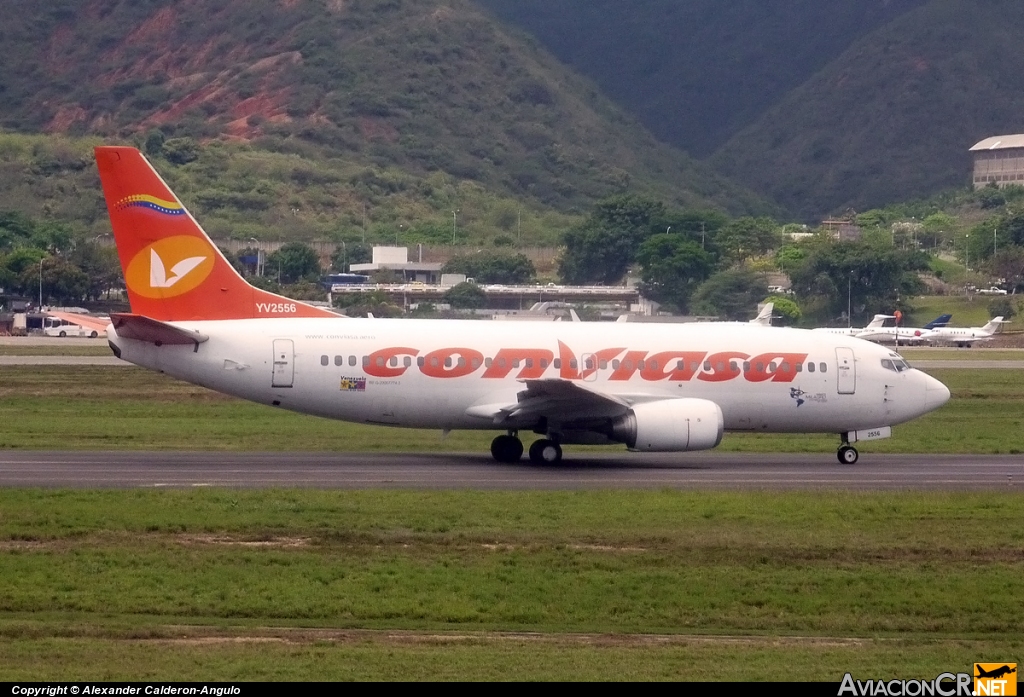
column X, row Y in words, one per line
column 152, row 203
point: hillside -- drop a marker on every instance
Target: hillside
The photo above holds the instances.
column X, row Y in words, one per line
column 696, row 72
column 426, row 88
column 893, row 117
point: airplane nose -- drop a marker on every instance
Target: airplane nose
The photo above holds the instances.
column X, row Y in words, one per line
column 936, row 394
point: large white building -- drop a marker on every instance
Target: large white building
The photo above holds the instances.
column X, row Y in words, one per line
column 999, row 160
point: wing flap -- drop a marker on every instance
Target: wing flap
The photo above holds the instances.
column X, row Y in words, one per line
column 554, row 399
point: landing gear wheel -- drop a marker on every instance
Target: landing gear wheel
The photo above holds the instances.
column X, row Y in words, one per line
column 847, row 455
column 545, row 452
column 506, row 448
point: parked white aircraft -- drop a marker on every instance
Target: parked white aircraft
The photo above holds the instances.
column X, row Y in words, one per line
column 876, row 322
column 764, row 317
column 653, row 387
column 964, row 336
column 904, row 335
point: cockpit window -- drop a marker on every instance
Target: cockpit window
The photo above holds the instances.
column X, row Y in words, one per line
column 897, row 365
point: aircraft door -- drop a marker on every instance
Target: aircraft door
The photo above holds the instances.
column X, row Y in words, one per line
column 846, row 375
column 284, row 363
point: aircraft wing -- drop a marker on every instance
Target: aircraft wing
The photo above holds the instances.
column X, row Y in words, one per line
column 555, row 399
column 87, row 321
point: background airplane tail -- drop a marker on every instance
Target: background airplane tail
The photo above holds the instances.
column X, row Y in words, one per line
column 993, row 326
column 172, row 269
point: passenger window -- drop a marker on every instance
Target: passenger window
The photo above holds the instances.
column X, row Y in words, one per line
column 529, row 362
column 544, row 363
column 771, row 367
column 501, row 362
column 487, row 362
column 799, row 367
column 720, row 366
column 615, row 364
column 604, row 365
column 394, row 361
column 515, row 362
column 680, row 364
column 407, row 361
column 339, row 360
column 352, row 360
column 746, row 366
column 476, row 363
column 448, row 362
column 823, row 367
column 366, row 361
column 760, row 367
column 640, row 365
column 572, row 363
column 810, row 367
column 380, row 361
column 433, row 361
column 654, row 365
column 324, row 360
column 462, row 362
column 707, row 366
column 420, row 361
column 785, row 367
column 589, row 364
column 557, row 363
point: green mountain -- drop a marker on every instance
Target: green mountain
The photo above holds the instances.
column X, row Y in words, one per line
column 425, row 88
column 821, row 106
column 893, row 117
column 696, row 72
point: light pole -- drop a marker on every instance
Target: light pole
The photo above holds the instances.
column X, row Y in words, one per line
column 967, row 252
column 454, row 214
column 849, row 300
column 40, row 284
column 253, row 239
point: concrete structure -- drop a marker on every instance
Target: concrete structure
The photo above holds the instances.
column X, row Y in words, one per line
column 397, row 259
column 999, row 160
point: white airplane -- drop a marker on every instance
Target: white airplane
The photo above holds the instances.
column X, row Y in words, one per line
column 964, row 336
column 663, row 387
column 904, row 335
column 876, row 322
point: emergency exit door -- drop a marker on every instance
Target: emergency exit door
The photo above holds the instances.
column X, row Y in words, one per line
column 284, row 363
column 846, row 375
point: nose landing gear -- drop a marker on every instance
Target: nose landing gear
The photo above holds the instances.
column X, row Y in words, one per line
column 847, row 454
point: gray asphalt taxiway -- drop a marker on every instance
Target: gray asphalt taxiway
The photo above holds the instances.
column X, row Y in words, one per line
column 478, row 471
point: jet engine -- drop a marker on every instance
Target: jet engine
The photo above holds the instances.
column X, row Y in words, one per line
column 670, row 425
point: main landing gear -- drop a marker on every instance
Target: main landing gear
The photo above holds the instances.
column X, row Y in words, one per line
column 509, row 448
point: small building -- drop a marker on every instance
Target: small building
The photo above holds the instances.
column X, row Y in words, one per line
column 397, row 259
column 999, row 160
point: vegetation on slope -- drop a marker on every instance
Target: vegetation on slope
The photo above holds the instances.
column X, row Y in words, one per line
column 428, row 87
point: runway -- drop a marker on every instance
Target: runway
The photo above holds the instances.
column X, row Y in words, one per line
column 685, row 471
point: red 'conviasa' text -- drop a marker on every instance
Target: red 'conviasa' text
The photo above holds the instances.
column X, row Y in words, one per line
column 619, row 364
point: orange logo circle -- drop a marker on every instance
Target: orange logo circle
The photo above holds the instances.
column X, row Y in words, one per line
column 170, row 266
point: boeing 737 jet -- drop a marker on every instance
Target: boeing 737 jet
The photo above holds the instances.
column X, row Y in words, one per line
column 666, row 387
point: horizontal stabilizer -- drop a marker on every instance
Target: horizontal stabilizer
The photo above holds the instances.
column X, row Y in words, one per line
column 153, row 331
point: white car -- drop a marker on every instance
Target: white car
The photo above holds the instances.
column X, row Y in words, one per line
column 994, row 290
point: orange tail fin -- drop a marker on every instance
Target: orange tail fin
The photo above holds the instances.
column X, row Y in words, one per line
column 172, row 269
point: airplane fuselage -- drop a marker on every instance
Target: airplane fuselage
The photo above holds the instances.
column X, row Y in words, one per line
column 434, row 374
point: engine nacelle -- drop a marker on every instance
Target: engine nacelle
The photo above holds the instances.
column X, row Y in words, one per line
column 670, row 425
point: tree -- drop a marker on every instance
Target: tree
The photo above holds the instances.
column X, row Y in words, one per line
column 866, row 278
column 465, row 296
column 732, row 294
column 180, row 151
column 672, row 267
column 100, row 263
column 61, row 281
column 602, row 247
column 348, row 253
column 785, row 311
column 493, row 268
column 745, row 237
column 294, row 261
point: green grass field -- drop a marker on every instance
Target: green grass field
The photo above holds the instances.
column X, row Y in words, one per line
column 212, row 584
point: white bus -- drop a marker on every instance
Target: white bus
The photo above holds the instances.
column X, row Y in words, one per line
column 55, row 326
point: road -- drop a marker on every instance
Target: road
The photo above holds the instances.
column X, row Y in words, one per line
column 687, row 471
